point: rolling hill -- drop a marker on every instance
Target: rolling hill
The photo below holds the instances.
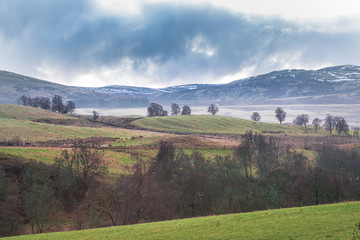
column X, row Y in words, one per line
column 334, row 221
column 339, row 84
column 14, row 85
column 23, row 122
column 213, row 125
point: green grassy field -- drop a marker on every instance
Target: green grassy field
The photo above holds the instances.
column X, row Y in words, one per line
column 16, row 121
column 44, row 155
column 334, row 221
column 114, row 160
column 214, row 125
column 28, row 113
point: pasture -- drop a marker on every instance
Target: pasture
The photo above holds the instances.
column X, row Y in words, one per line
column 332, row 221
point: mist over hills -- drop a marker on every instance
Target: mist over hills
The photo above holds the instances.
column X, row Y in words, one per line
column 339, row 84
column 331, row 85
column 14, row 85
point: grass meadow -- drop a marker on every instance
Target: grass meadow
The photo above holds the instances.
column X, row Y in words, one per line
column 205, row 124
column 333, row 221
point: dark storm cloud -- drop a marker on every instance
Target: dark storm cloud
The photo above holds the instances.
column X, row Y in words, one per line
column 182, row 42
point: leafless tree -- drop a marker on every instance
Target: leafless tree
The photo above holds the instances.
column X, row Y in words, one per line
column 302, row 119
column 57, row 104
column 175, row 109
column 255, row 116
column 186, row 110
column 83, row 161
column 341, row 125
column 213, row 109
column 95, row 116
column 245, row 153
column 316, row 123
column 280, row 114
column 329, row 123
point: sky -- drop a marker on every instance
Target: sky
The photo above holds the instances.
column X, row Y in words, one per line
column 159, row 43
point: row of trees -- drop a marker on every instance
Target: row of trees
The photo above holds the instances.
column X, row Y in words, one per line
column 156, row 110
column 56, row 104
column 331, row 123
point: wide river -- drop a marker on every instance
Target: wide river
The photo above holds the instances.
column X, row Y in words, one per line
column 267, row 112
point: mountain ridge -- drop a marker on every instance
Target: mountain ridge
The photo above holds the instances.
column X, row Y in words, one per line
column 336, row 84
column 13, row 86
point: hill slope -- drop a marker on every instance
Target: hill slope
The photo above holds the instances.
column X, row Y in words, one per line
column 21, row 122
column 335, row 221
column 212, row 125
column 339, row 84
column 15, row 85
column 28, row 113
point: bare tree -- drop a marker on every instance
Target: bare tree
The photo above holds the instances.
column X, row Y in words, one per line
column 245, row 153
column 85, row 162
column 156, row 110
column 69, row 108
column 213, row 109
column 23, row 100
column 95, row 116
column 186, row 110
column 329, row 123
column 302, row 119
column 255, row 116
column 341, row 125
column 38, row 199
column 316, row 123
column 280, row 114
column 175, row 109
column 45, row 103
column 57, row 104
column 106, row 200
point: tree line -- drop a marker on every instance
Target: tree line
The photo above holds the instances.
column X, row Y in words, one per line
column 330, row 122
column 156, row 110
column 260, row 174
column 56, row 104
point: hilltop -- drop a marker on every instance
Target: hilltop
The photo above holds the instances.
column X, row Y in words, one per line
column 15, row 85
column 339, row 84
column 207, row 124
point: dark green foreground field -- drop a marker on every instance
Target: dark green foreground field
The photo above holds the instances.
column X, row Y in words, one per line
column 333, row 221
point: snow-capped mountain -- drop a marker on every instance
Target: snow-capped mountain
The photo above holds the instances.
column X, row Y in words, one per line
column 331, row 85
column 339, row 84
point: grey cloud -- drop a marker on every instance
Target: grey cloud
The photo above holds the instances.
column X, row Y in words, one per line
column 184, row 42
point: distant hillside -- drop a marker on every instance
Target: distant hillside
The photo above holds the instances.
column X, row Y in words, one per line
column 333, row 221
column 214, row 125
column 14, row 85
column 332, row 85
column 339, row 84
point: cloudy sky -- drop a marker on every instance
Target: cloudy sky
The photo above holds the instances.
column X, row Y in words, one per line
column 169, row 42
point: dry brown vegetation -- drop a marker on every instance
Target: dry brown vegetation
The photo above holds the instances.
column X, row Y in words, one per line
column 158, row 176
